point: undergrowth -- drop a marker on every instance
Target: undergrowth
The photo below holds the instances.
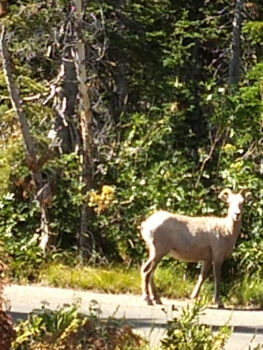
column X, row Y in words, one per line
column 66, row 329
column 186, row 332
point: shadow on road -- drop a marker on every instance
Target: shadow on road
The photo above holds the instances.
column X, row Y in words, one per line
column 139, row 323
column 229, row 308
column 148, row 323
column 18, row 316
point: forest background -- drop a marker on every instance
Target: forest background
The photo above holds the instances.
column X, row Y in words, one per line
column 121, row 108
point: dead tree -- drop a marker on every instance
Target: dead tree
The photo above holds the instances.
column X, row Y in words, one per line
column 235, row 49
column 85, row 121
column 32, row 161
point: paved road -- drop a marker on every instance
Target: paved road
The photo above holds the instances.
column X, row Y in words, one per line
column 150, row 321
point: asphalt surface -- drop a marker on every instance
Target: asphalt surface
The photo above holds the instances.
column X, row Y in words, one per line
column 149, row 321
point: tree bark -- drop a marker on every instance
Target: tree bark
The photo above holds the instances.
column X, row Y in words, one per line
column 3, row 8
column 69, row 92
column 86, row 147
column 66, row 103
column 235, row 49
column 32, row 161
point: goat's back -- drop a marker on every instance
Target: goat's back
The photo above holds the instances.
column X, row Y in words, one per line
column 185, row 237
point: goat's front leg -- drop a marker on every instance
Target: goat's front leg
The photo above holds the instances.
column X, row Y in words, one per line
column 203, row 275
column 217, row 267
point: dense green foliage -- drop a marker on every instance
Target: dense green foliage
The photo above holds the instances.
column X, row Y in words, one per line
column 65, row 328
column 187, row 332
column 169, row 131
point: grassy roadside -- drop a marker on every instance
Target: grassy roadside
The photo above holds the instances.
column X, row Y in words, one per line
column 109, row 280
column 172, row 282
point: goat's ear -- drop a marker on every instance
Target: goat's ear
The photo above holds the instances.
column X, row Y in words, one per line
column 224, row 194
column 245, row 193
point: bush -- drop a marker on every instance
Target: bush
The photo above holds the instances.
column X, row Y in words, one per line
column 186, row 333
column 65, row 328
column 18, row 230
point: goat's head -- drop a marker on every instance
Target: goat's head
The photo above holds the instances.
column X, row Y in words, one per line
column 235, row 202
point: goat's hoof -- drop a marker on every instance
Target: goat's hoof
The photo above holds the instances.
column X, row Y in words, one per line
column 158, row 301
column 219, row 304
column 148, row 300
column 193, row 297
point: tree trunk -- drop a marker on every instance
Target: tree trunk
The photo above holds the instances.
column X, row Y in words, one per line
column 69, row 92
column 3, row 8
column 66, row 106
column 42, row 191
column 235, row 49
column 86, row 146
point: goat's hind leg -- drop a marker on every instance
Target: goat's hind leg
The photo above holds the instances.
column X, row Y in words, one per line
column 145, row 275
column 148, row 288
column 155, row 297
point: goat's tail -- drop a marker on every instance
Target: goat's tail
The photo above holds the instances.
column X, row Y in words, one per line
column 146, row 233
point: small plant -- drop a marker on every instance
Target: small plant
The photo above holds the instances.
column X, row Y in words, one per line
column 186, row 333
column 65, row 328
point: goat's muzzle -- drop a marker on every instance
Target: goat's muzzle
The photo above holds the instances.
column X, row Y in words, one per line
column 236, row 216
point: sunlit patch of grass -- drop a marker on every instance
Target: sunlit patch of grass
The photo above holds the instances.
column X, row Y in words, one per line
column 171, row 281
column 174, row 282
column 112, row 280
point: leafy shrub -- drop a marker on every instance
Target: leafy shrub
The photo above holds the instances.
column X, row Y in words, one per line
column 64, row 172
column 65, row 328
column 18, row 230
column 186, row 333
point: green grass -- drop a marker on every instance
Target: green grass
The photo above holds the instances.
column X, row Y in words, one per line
column 172, row 281
column 112, row 280
column 247, row 291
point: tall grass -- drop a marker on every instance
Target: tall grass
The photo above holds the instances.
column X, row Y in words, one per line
column 112, row 280
column 172, row 281
column 247, row 291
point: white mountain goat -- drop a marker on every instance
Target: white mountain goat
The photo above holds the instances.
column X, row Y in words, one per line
column 193, row 239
